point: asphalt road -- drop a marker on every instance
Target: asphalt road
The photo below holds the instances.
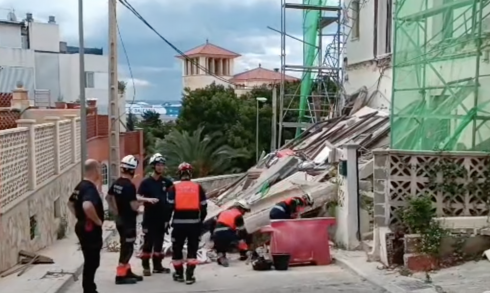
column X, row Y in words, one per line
column 237, row 278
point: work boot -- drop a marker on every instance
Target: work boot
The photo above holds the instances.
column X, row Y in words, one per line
column 178, row 275
column 125, row 280
column 243, row 255
column 157, row 266
column 189, row 274
column 123, row 277
column 138, row 278
column 223, row 261
column 146, row 267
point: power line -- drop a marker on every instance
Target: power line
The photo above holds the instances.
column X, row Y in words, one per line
column 126, row 4
column 130, row 69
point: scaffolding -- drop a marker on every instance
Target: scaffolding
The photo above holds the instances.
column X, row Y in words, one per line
column 441, row 70
column 321, row 18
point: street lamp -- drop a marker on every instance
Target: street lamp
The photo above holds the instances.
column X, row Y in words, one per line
column 259, row 99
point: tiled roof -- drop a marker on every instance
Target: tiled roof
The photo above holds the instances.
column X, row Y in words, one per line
column 261, row 74
column 5, row 99
column 209, row 49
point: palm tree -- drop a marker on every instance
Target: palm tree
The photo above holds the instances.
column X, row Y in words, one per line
column 206, row 153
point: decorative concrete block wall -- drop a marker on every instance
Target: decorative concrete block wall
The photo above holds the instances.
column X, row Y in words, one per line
column 399, row 175
column 39, row 168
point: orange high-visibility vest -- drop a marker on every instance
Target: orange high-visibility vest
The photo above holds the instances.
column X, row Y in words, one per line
column 187, row 196
column 290, row 200
column 228, row 218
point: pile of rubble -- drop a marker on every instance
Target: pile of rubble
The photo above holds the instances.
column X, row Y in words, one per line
column 307, row 164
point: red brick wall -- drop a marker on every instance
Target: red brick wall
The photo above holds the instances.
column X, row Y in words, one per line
column 5, row 99
column 8, row 118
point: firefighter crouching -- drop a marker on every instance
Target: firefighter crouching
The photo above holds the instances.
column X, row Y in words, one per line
column 187, row 201
column 230, row 228
column 289, row 208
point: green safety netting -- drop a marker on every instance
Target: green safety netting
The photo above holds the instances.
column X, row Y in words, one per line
column 310, row 41
column 441, row 75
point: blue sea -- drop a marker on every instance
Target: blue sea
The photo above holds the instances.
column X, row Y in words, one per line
column 169, row 110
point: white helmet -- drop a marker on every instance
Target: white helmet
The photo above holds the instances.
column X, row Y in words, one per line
column 129, row 162
column 308, row 199
column 157, row 158
column 243, row 204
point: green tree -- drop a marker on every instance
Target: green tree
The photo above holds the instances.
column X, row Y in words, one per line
column 131, row 121
column 208, row 154
column 214, row 107
column 218, row 109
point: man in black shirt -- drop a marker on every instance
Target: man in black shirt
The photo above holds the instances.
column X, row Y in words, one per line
column 86, row 204
column 124, row 203
column 155, row 217
column 188, row 203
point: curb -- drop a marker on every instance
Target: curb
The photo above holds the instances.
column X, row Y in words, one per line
column 71, row 277
column 387, row 285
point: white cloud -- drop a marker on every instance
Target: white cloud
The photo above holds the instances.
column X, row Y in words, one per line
column 271, row 56
column 136, row 82
column 124, row 69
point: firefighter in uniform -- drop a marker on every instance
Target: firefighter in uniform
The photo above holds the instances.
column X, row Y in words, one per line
column 289, row 208
column 230, row 229
column 87, row 206
column 155, row 216
column 187, row 202
column 124, row 203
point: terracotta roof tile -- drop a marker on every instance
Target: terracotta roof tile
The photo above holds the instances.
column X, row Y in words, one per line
column 261, row 74
column 209, row 49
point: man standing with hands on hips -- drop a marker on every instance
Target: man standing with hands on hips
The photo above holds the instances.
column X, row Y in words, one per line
column 87, row 206
column 155, row 217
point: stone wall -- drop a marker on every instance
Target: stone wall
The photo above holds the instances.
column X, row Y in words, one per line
column 32, row 222
column 214, row 182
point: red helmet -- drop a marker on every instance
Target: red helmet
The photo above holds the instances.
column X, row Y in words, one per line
column 185, row 167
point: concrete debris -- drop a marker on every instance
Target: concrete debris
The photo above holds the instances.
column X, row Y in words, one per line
column 306, row 164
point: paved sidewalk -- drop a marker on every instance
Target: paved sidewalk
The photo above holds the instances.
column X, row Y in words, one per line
column 51, row 278
column 471, row 277
column 391, row 281
column 238, row 278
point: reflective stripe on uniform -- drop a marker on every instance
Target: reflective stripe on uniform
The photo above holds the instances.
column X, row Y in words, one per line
column 170, row 201
column 132, row 239
column 186, row 221
column 222, row 229
column 278, row 207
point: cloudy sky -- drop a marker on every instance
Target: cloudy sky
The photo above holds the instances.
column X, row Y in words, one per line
column 240, row 26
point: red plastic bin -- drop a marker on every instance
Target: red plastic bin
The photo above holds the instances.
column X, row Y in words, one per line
column 306, row 240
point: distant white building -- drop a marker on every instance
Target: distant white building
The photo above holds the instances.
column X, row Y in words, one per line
column 32, row 52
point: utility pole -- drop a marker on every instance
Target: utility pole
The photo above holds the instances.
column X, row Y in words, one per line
column 114, row 156
column 274, row 119
column 83, row 102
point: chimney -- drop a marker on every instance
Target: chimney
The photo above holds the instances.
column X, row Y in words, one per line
column 52, row 19
column 20, row 97
column 29, row 17
column 276, row 69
